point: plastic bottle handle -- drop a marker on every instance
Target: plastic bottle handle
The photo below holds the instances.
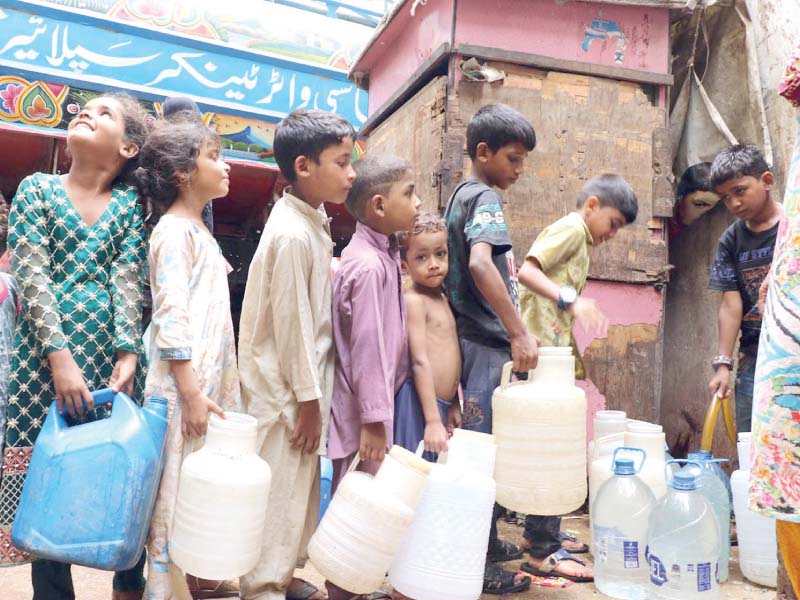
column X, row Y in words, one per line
column 505, row 377
column 629, row 449
column 678, row 461
column 101, row 397
column 604, row 440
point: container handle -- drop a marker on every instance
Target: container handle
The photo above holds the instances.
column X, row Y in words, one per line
column 505, row 377
column 629, row 449
column 604, row 440
column 101, row 397
column 678, row 461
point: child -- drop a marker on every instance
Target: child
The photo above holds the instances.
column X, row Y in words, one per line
column 426, row 407
column 192, row 356
column 286, row 343
column 554, row 275
column 481, row 286
column 742, row 178
column 369, row 320
column 77, row 252
column 694, row 198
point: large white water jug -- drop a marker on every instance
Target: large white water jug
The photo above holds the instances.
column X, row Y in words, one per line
column 404, row 475
column 472, row 450
column 366, row 520
column 619, row 531
column 443, row 554
column 756, row 533
column 638, row 434
column 225, row 478
column 540, row 429
column 683, row 543
column 714, row 491
column 605, row 423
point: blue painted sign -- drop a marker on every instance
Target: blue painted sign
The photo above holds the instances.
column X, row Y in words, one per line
column 153, row 64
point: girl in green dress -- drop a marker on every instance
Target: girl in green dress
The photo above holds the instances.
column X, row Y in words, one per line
column 77, row 251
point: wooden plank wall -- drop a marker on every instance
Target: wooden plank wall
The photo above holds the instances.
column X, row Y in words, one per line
column 414, row 132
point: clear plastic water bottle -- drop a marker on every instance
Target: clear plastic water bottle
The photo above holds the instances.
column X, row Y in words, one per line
column 620, row 517
column 711, row 486
column 683, row 542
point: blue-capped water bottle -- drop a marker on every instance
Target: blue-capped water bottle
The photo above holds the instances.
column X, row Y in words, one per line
column 620, row 517
column 683, row 541
column 712, row 487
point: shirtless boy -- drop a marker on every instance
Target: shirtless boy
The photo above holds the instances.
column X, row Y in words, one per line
column 426, row 407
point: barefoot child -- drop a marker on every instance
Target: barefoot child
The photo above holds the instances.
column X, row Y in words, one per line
column 426, row 407
column 77, row 253
column 369, row 320
column 286, row 343
column 192, row 356
column 553, row 276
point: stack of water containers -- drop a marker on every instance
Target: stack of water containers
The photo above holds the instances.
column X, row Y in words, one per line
column 756, row 533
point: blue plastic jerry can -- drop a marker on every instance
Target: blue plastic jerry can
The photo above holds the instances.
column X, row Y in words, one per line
column 325, row 480
column 90, row 489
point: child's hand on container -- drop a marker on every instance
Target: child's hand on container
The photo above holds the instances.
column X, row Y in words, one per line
column 70, row 386
column 124, row 372
column 308, row 430
column 373, row 442
column 194, row 414
column 590, row 317
column 453, row 417
column 435, row 437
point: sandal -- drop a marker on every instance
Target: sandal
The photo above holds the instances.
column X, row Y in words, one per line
column 223, row 589
column 304, row 593
column 498, row 581
column 502, row 551
column 373, row 596
column 548, row 568
column 566, row 537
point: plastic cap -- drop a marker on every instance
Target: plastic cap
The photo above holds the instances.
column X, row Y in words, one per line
column 684, row 480
column 624, row 466
column 702, row 454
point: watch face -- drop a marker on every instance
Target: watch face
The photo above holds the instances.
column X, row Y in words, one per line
column 568, row 294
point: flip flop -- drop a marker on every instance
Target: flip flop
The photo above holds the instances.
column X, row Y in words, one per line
column 373, row 596
column 499, row 581
column 224, row 589
column 548, row 569
column 503, row 551
column 566, row 537
column 304, row 593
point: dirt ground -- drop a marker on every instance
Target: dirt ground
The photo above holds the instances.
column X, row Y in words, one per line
column 96, row 585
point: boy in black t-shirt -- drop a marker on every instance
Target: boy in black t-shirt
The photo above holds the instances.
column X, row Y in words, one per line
column 742, row 178
column 482, row 289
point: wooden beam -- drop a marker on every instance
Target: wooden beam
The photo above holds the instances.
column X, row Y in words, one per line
column 559, row 64
column 661, row 3
column 417, row 79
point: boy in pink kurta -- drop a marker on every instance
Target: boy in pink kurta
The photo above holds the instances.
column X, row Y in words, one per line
column 369, row 319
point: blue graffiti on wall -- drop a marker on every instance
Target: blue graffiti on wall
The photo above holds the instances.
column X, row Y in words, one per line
column 604, row 30
column 77, row 52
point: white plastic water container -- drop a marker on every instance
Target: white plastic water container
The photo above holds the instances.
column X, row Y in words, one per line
column 714, row 491
column 540, row 430
column 638, row 434
column 472, row 450
column 683, row 543
column 225, row 478
column 443, row 555
column 605, row 423
column 366, row 521
column 619, row 532
column 756, row 533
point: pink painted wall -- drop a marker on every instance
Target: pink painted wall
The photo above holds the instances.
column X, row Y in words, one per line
column 624, row 36
column 403, row 46
column 624, row 304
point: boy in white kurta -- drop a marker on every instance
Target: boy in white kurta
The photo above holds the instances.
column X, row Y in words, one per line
column 286, row 354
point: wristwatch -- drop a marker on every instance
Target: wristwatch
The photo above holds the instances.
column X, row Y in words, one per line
column 720, row 360
column 567, row 295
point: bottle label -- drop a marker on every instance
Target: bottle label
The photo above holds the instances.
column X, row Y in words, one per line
column 631, row 554
column 703, row 577
column 658, row 574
